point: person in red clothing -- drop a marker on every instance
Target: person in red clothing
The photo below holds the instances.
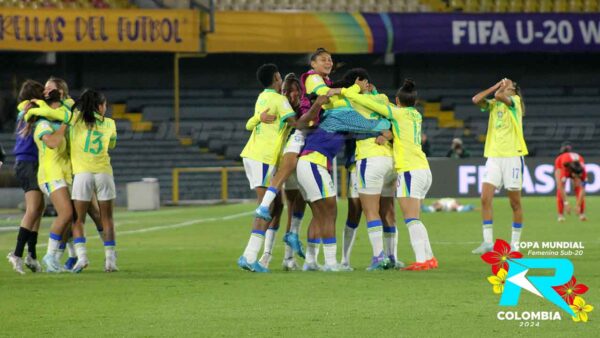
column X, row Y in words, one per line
column 570, row 165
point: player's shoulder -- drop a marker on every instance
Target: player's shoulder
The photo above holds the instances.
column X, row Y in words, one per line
column 314, row 79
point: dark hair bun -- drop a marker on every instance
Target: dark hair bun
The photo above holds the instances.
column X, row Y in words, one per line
column 408, row 86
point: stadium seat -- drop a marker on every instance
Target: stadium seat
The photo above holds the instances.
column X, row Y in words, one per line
column 531, row 6
column 590, row 6
column 559, row 6
column 500, row 6
column 516, row 6
column 575, row 6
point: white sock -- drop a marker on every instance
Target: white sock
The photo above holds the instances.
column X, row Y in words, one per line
column 488, row 232
column 317, row 250
column 390, row 240
column 312, row 250
column 71, row 248
column 460, row 208
column 348, row 241
column 289, row 252
column 269, row 197
column 80, row 250
column 53, row 245
column 109, row 252
column 296, row 222
column 269, row 243
column 330, row 251
column 516, row 236
column 419, row 240
column 254, row 244
column 375, row 229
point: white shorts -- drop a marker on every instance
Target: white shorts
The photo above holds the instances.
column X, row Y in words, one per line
column 315, row 181
column 50, row 187
column 352, row 182
column 259, row 174
column 414, row 183
column 86, row 184
column 292, row 182
column 295, row 142
column 376, row 176
column 504, row 171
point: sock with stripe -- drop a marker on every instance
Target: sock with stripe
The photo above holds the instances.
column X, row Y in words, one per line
column 269, row 197
column 109, row 249
column 390, row 241
column 312, row 250
column 80, row 250
column 330, row 251
column 375, row 229
column 516, row 235
column 60, row 251
column 419, row 239
column 54, row 244
column 269, row 244
column 488, row 231
column 348, row 241
column 254, row 244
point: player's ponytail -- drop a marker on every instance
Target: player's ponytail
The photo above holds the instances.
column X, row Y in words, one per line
column 88, row 104
column 407, row 94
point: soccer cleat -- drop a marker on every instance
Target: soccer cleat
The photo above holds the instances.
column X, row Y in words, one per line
column 244, row 265
column 290, row 264
column 561, row 218
column 80, row 265
column 293, row 241
column 336, row 268
column 346, row 267
column 51, row 263
column 110, row 265
column 311, row 267
column 70, row 263
column 33, row 264
column 433, row 263
column 263, row 212
column 418, row 266
column 257, row 267
column 394, row 264
column 16, row 262
column 582, row 218
column 483, row 248
column 378, row 263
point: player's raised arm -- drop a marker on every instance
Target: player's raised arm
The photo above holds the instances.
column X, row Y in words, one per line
column 353, row 94
column 480, row 98
column 312, row 113
column 263, row 117
column 503, row 93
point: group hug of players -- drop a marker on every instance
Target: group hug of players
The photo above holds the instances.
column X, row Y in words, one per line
column 301, row 124
column 61, row 153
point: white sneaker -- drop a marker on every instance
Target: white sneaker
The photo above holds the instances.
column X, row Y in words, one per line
column 290, row 264
column 582, row 217
column 51, row 264
column 347, row 267
column 336, row 268
column 110, row 265
column 561, row 218
column 483, row 248
column 16, row 262
column 33, row 264
column 311, row 267
column 82, row 263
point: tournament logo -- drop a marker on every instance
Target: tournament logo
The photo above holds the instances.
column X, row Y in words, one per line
column 513, row 273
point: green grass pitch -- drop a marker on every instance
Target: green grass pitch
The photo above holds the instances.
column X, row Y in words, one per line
column 179, row 278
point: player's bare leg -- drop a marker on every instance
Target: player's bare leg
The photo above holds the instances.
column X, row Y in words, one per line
column 370, row 205
column 419, row 238
column 352, row 222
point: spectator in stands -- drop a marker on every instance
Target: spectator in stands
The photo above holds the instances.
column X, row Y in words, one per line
column 425, row 146
column 457, row 150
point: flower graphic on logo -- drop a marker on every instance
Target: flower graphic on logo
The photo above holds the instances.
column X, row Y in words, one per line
column 581, row 309
column 498, row 280
column 499, row 256
column 570, row 290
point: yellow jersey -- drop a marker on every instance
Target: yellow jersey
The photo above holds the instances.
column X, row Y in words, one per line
column 406, row 127
column 315, row 84
column 89, row 147
column 368, row 148
column 62, row 113
column 505, row 129
column 267, row 140
column 54, row 164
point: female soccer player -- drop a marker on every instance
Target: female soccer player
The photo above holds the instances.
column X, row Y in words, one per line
column 92, row 135
column 570, row 166
column 26, row 168
column 413, row 174
column 504, row 148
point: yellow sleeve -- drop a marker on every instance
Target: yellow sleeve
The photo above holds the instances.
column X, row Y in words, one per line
column 284, row 109
column 315, row 85
column 43, row 128
column 113, row 137
column 253, row 122
column 61, row 114
column 353, row 94
column 22, row 105
column 381, row 98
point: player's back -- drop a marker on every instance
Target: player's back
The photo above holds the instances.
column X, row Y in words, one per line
column 406, row 125
column 89, row 146
column 567, row 157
